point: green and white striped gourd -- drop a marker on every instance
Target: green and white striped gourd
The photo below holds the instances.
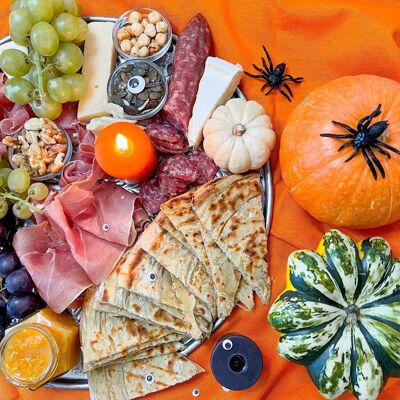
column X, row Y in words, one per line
column 340, row 315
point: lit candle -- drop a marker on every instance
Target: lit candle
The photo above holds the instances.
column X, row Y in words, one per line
column 124, row 151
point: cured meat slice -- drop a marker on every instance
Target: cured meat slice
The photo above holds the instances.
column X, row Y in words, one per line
column 180, row 167
column 76, row 130
column 48, row 259
column 96, row 256
column 166, row 138
column 191, row 52
column 80, row 167
column 13, row 120
column 205, row 165
column 171, row 185
column 107, row 212
column 152, row 196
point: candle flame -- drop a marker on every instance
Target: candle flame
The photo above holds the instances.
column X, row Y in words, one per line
column 121, row 143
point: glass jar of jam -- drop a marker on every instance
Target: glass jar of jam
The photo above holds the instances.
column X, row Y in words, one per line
column 39, row 349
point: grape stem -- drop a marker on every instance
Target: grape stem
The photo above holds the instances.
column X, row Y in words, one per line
column 26, row 203
column 38, row 65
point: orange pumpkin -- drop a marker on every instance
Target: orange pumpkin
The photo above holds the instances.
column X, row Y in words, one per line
column 331, row 176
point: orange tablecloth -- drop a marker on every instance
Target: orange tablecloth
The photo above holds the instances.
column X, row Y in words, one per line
column 319, row 40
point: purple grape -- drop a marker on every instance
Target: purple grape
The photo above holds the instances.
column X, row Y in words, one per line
column 19, row 282
column 3, row 233
column 9, row 262
column 2, row 333
column 20, row 306
column 3, row 320
column 3, row 306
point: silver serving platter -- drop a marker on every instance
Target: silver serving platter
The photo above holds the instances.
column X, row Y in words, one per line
column 76, row 379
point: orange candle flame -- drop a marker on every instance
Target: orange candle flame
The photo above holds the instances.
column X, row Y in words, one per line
column 122, row 145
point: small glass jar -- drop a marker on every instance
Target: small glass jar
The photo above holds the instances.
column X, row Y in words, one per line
column 130, row 81
column 39, row 349
column 123, row 22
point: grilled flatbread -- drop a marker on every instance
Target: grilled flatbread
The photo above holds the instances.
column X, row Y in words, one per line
column 119, row 301
column 106, row 338
column 126, row 381
column 224, row 274
column 244, row 296
column 235, row 221
column 179, row 211
column 181, row 263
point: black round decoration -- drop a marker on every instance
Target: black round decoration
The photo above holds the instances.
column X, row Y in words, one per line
column 236, row 362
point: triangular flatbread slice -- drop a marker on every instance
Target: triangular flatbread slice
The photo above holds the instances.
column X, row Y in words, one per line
column 127, row 381
column 224, row 274
column 226, row 210
column 119, row 301
column 180, row 262
column 179, row 211
column 244, row 240
column 244, row 296
column 106, row 338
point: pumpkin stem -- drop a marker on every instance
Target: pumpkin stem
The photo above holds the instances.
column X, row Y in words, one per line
column 238, row 129
column 353, row 314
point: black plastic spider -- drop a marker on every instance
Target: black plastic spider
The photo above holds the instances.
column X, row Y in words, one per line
column 365, row 138
column 274, row 77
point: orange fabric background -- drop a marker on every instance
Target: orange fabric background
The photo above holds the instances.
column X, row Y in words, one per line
column 319, row 42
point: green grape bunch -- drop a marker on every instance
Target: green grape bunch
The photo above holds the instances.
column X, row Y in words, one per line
column 16, row 190
column 48, row 75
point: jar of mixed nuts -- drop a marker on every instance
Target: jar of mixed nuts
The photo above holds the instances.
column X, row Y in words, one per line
column 142, row 33
column 139, row 87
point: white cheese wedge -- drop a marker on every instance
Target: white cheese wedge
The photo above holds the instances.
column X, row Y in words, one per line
column 98, row 64
column 217, row 85
column 96, row 125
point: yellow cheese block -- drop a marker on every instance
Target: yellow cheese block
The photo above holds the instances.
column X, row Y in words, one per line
column 98, row 64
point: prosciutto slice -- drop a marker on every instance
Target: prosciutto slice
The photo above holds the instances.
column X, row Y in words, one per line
column 59, row 278
column 80, row 167
column 83, row 232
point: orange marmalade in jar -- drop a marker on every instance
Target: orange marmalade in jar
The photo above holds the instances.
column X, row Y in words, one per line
column 39, row 349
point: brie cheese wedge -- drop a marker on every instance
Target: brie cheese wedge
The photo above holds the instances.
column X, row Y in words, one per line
column 217, row 85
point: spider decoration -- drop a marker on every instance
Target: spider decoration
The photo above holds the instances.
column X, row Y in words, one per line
column 366, row 139
column 274, row 77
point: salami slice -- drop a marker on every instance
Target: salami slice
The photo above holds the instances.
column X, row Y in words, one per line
column 180, row 167
column 206, row 167
column 172, row 186
column 191, row 52
column 152, row 196
column 166, row 138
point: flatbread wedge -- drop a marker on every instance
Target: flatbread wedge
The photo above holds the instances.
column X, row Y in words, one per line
column 119, row 301
column 244, row 240
column 181, row 263
column 223, row 274
column 235, row 221
column 106, row 338
column 126, row 381
column 244, row 296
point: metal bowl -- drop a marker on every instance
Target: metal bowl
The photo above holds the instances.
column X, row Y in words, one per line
column 49, row 176
column 137, row 64
column 122, row 22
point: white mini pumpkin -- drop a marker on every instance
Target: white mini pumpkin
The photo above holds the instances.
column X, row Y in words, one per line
column 239, row 136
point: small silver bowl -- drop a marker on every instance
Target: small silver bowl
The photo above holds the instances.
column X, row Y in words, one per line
column 48, row 176
column 134, row 86
column 122, row 21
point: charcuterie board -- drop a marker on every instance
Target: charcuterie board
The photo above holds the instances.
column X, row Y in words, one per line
column 76, row 379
